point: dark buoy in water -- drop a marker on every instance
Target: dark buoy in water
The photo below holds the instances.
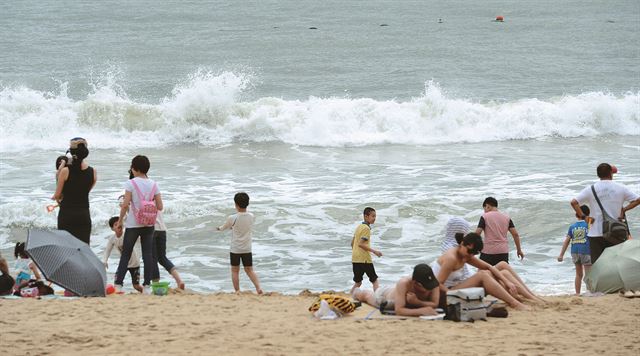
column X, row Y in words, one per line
column 439, row 20
column 499, row 18
column 383, row 25
column 313, row 28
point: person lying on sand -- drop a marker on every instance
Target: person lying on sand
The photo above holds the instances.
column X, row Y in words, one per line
column 501, row 280
column 414, row 295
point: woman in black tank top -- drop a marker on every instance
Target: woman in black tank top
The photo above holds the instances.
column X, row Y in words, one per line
column 72, row 192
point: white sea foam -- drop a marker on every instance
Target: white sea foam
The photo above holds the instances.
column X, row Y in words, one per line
column 308, row 200
column 207, row 109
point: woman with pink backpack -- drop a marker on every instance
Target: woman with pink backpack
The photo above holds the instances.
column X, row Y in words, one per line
column 143, row 201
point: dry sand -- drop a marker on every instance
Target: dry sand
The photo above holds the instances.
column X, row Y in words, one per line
column 247, row 324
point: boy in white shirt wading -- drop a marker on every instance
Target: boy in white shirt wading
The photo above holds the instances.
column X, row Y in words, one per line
column 241, row 225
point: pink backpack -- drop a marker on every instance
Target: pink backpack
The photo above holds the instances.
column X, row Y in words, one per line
column 148, row 212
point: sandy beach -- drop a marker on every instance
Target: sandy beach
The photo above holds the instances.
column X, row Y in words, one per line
column 315, row 110
column 274, row 324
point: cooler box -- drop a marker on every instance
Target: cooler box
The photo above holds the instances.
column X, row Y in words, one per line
column 471, row 303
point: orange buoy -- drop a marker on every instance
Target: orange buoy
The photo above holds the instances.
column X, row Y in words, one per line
column 500, row 18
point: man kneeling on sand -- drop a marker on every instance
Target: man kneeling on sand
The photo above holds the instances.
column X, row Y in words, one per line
column 414, row 295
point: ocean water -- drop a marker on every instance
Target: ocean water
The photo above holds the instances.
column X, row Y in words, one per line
column 380, row 105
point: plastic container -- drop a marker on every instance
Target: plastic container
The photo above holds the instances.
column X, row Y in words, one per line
column 160, row 288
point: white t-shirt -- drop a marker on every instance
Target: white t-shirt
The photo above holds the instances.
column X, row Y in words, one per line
column 145, row 185
column 612, row 196
column 160, row 226
column 118, row 243
column 241, row 225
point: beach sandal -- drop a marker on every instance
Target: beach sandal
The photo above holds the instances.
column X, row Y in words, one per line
column 627, row 294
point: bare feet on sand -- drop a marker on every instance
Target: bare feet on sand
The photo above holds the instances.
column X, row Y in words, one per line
column 538, row 301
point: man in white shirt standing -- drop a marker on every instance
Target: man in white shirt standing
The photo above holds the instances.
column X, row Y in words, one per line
column 612, row 196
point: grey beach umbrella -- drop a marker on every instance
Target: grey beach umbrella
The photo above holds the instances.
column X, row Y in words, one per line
column 67, row 262
column 618, row 268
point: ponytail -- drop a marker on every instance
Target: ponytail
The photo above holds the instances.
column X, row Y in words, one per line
column 79, row 154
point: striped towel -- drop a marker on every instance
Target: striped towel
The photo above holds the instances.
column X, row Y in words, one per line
column 455, row 225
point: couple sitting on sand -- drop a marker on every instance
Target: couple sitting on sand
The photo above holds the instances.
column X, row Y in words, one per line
column 426, row 289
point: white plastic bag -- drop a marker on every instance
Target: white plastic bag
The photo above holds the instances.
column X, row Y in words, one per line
column 325, row 312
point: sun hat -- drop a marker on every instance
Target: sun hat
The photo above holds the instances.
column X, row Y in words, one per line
column 423, row 274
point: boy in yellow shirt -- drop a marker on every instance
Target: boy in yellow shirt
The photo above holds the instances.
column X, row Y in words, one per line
column 361, row 251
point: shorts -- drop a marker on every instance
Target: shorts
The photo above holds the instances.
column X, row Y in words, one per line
column 381, row 297
column 581, row 259
column 247, row 259
column 494, row 259
column 359, row 269
column 135, row 275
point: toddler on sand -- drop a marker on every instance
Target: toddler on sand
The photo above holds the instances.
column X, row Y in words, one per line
column 116, row 241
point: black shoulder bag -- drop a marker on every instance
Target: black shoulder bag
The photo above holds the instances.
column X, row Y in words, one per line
column 614, row 231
